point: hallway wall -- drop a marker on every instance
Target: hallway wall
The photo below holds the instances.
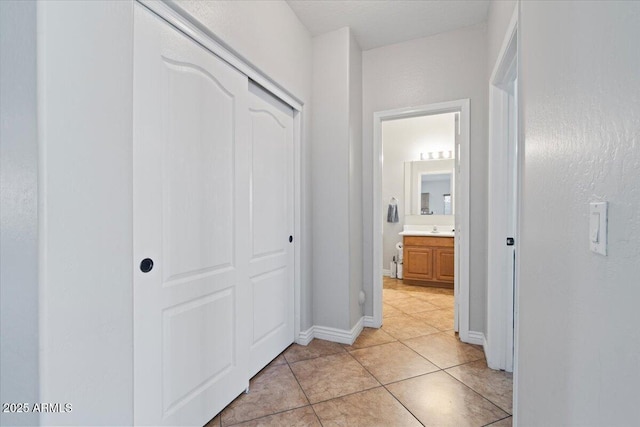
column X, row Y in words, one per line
column 579, row 342
column 19, row 361
column 444, row 67
column 336, row 180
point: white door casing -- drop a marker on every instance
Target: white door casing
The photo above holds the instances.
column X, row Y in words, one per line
column 503, row 203
column 512, row 223
column 191, row 211
column 272, row 210
column 462, row 209
column 457, row 218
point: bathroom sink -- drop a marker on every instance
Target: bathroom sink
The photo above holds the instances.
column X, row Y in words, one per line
column 427, row 230
column 427, row 233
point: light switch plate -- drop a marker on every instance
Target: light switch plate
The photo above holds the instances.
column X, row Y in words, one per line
column 598, row 227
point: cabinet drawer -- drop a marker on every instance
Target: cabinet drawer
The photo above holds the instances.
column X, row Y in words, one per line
column 445, row 242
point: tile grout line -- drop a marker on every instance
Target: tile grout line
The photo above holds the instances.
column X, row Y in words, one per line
column 478, row 393
column 380, row 385
column 300, row 385
column 372, row 345
column 439, row 369
column 272, row 413
column 493, row 422
column 388, row 391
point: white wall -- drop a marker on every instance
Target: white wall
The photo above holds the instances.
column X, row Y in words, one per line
column 336, row 147
column 444, row 67
column 85, row 52
column 18, row 216
column 269, row 35
column 355, row 179
column 579, row 342
column 498, row 18
column 330, row 178
column 403, row 140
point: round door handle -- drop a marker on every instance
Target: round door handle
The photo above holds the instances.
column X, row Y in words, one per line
column 290, row 239
column 146, row 265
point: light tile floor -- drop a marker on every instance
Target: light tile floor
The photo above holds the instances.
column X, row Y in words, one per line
column 414, row 371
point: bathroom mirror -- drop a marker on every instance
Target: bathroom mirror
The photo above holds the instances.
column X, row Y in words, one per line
column 429, row 187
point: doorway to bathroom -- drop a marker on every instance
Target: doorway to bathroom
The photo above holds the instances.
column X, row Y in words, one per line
column 430, row 192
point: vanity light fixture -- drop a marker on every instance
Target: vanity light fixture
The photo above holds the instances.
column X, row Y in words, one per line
column 437, row 155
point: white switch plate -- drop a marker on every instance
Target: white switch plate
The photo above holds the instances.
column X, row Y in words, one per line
column 598, row 227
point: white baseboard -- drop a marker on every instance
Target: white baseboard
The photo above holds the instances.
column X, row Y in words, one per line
column 333, row 334
column 305, row 337
column 477, row 338
column 485, row 346
column 386, row 272
column 338, row 335
column 368, row 322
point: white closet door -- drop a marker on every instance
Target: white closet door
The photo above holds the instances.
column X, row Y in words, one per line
column 191, row 217
column 271, row 253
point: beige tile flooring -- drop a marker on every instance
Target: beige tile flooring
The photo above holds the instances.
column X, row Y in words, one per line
column 412, row 372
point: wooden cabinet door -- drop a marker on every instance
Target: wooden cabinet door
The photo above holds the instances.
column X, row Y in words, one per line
column 418, row 263
column 444, row 264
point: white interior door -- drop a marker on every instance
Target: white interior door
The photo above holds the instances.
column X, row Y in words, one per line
column 512, row 220
column 191, row 216
column 271, row 254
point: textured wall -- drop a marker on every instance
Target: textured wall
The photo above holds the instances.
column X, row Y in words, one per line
column 85, row 52
column 498, row 18
column 579, row 342
column 330, row 179
column 444, row 67
column 355, row 180
column 18, row 216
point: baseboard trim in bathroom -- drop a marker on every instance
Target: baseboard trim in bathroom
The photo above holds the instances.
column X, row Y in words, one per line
column 386, row 272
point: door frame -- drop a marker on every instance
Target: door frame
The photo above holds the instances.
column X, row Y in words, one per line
column 173, row 13
column 501, row 286
column 461, row 286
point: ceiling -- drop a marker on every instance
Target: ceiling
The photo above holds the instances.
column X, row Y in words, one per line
column 378, row 23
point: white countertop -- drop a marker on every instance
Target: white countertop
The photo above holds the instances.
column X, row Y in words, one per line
column 428, row 233
column 427, row 230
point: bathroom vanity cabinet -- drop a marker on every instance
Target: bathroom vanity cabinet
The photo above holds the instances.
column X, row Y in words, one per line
column 428, row 261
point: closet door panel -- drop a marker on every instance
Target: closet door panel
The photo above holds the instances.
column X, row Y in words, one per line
column 271, row 263
column 191, row 168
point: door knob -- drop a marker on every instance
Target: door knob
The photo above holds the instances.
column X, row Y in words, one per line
column 146, row 265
